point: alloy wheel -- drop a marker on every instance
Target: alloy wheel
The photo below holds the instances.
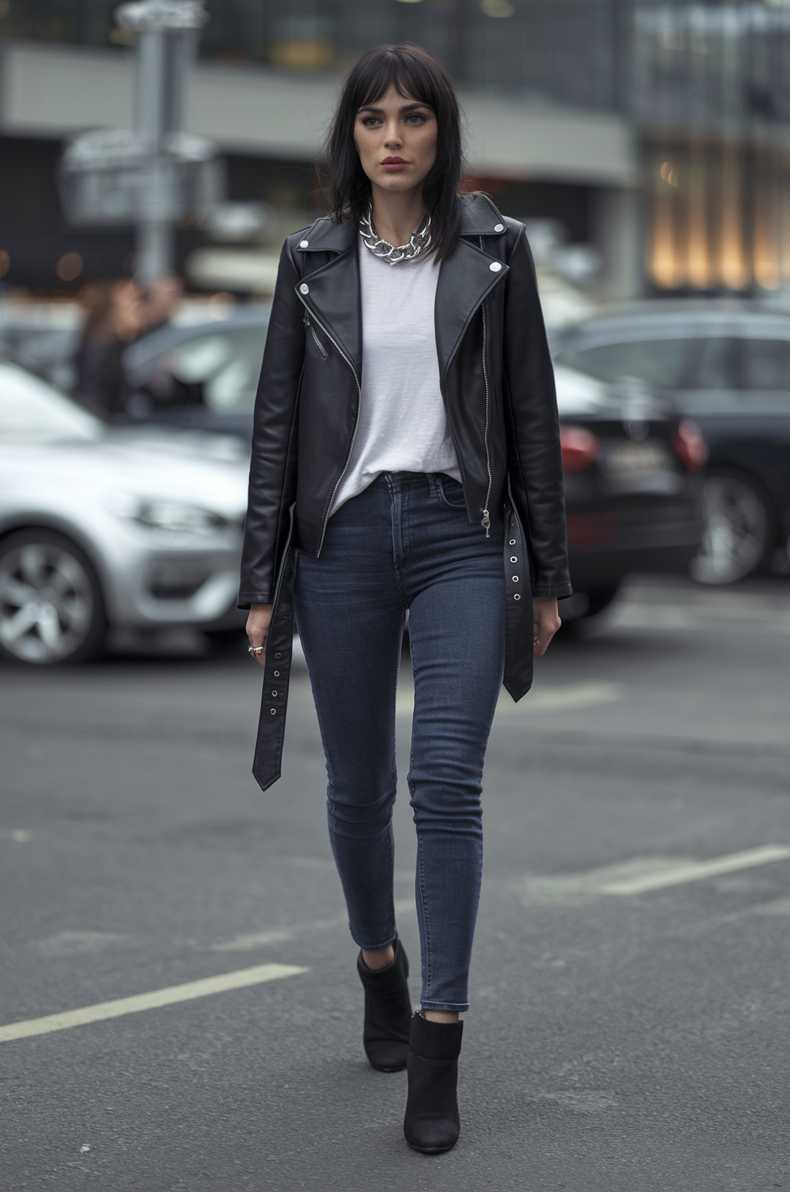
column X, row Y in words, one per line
column 48, row 602
column 737, row 531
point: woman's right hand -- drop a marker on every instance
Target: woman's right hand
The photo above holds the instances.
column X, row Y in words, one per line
column 258, row 628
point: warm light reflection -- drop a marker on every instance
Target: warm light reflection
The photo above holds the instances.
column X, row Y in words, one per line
column 699, row 263
column 719, row 218
column 732, row 263
column 766, row 247
column 664, row 257
column 784, row 248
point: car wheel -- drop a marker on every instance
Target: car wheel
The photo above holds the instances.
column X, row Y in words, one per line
column 590, row 602
column 737, row 537
column 51, row 607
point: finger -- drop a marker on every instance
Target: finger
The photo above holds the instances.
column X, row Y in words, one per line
column 541, row 637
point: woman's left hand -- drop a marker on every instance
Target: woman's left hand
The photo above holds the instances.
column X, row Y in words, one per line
column 545, row 622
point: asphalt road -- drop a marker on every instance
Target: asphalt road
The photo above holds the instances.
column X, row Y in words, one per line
column 629, row 1023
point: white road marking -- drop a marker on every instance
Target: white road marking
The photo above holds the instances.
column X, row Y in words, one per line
column 564, row 699
column 543, row 699
column 698, row 617
column 697, row 870
column 247, row 943
column 148, row 1001
column 278, row 935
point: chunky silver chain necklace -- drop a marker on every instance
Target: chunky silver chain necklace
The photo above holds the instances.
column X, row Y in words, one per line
column 418, row 243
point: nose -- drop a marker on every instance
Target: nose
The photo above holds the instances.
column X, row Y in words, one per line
column 392, row 135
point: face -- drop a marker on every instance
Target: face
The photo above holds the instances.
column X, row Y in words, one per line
column 396, row 138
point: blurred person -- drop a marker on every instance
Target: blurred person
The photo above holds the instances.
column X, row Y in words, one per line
column 112, row 322
column 406, row 429
column 161, row 300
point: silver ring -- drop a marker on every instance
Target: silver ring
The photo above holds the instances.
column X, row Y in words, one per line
column 254, row 649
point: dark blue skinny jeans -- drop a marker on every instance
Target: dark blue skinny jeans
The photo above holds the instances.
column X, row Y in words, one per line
column 405, row 543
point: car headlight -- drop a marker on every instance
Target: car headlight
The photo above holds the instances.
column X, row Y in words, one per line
column 171, row 517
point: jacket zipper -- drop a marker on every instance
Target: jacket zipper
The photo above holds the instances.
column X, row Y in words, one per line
column 486, row 522
column 316, row 340
column 350, row 364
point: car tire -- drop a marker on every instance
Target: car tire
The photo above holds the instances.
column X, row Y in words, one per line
column 51, row 603
column 590, row 602
column 227, row 640
column 738, row 537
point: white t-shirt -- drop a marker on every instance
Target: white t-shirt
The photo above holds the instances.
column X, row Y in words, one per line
column 402, row 424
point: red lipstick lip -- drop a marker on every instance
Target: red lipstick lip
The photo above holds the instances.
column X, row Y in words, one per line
column 394, row 161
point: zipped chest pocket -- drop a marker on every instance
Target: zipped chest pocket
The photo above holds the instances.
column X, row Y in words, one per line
column 321, row 349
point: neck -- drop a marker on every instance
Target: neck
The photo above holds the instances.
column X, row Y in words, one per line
column 396, row 216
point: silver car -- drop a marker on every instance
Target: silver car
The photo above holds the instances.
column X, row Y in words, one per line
column 103, row 529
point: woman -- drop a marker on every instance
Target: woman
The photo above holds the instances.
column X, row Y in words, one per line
column 112, row 323
column 406, row 456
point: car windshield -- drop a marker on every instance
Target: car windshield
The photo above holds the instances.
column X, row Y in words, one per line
column 654, row 361
column 30, row 409
column 218, row 369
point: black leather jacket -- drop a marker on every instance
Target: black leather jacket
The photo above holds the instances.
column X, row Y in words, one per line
column 498, row 389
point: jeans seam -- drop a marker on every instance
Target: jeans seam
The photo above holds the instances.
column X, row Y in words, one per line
column 426, row 920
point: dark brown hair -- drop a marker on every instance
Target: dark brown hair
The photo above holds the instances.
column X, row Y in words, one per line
column 415, row 75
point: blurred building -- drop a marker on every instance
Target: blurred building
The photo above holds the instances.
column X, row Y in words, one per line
column 644, row 139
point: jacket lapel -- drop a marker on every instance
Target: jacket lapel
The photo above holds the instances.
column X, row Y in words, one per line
column 465, row 280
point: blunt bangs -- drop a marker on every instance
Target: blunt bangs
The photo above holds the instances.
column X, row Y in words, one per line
column 415, row 75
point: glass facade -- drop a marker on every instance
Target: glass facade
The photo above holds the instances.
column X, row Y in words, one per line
column 705, row 82
column 562, row 51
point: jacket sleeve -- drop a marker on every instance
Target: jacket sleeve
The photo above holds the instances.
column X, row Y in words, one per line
column 273, row 464
column 535, row 459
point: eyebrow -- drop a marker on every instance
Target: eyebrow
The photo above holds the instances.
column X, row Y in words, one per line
column 409, row 107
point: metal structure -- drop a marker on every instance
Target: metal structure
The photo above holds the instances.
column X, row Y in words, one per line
column 156, row 174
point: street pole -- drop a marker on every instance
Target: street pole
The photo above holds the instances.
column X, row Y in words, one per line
column 166, row 31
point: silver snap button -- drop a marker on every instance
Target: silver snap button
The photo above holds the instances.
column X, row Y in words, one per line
column 304, row 288
column 515, row 579
column 303, row 243
column 513, row 559
column 512, row 542
column 499, row 227
column 273, row 711
column 495, row 266
column 274, row 695
column 276, row 674
column 516, row 597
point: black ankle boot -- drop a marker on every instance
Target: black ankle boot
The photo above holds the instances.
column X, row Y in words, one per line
column 387, row 1012
column 432, row 1124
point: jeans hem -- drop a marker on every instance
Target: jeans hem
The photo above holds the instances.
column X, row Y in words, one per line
column 375, row 947
column 448, row 1007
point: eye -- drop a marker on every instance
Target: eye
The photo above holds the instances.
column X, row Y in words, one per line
column 416, row 118
column 370, row 121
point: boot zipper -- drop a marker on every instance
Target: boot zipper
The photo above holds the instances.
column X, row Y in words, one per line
column 350, row 364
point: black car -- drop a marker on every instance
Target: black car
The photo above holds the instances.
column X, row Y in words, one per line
column 631, row 465
column 632, row 487
column 727, row 366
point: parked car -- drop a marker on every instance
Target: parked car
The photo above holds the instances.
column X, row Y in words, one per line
column 632, row 486
column 202, row 376
column 630, row 472
column 136, row 528
column 727, row 366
